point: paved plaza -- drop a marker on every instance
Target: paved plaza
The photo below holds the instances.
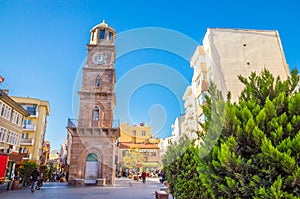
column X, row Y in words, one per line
column 123, row 189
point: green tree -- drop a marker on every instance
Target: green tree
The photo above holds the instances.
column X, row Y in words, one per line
column 26, row 170
column 133, row 158
column 180, row 166
column 44, row 172
column 257, row 154
column 51, row 170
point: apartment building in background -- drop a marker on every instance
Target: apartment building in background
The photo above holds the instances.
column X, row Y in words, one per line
column 224, row 55
column 138, row 139
column 11, row 120
column 32, row 140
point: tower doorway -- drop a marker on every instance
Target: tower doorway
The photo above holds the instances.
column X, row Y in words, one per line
column 91, row 169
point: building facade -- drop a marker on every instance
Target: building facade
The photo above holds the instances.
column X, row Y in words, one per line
column 64, row 153
column 163, row 146
column 138, row 149
column 34, row 126
column 178, row 127
column 226, row 54
column 93, row 137
column 11, row 120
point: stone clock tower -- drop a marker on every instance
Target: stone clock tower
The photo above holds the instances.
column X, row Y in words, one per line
column 93, row 138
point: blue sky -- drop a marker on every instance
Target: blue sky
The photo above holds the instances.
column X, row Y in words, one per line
column 43, row 46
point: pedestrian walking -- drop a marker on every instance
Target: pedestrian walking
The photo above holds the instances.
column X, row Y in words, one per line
column 34, row 178
column 144, row 174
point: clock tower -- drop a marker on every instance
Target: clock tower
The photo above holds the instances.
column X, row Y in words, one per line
column 93, row 138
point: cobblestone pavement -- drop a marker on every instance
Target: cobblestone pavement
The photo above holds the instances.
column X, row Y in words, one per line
column 123, row 189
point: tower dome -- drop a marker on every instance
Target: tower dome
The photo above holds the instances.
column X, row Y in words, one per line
column 102, row 33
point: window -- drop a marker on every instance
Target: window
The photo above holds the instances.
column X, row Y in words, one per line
column 16, row 118
column 27, row 122
column 19, row 120
column 2, row 108
column 93, row 35
column 96, row 114
column 110, row 36
column 25, row 135
column 8, row 113
column 134, row 132
column 149, row 152
column 3, row 132
column 98, row 82
column 23, row 150
column 5, row 111
column 143, row 133
column 13, row 138
column 32, row 109
column 102, row 34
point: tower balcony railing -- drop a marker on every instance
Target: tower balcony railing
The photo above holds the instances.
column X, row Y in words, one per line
column 73, row 123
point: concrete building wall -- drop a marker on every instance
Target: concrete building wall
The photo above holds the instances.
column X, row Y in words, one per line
column 135, row 133
column 233, row 52
column 226, row 54
column 189, row 125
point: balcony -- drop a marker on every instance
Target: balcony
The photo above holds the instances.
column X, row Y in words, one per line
column 29, row 127
column 27, row 141
column 27, row 156
column 73, row 123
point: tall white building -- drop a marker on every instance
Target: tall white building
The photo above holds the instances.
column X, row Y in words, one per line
column 226, row 54
column 190, row 125
column 178, row 127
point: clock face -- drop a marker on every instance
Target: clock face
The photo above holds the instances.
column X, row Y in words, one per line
column 99, row 58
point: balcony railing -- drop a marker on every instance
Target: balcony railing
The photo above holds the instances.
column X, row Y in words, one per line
column 73, row 123
column 27, row 141
column 27, row 156
column 29, row 127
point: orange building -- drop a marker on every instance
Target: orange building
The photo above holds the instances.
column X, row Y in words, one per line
column 138, row 149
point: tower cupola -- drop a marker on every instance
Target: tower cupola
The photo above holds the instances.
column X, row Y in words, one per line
column 102, row 33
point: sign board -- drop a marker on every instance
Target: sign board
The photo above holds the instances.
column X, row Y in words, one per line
column 3, row 164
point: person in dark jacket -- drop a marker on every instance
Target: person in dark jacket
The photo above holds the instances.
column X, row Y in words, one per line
column 144, row 174
column 34, row 177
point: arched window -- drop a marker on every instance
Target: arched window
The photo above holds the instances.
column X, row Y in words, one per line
column 97, row 82
column 96, row 112
column 102, row 33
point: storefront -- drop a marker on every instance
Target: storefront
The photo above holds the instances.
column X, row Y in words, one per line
column 3, row 170
column 8, row 164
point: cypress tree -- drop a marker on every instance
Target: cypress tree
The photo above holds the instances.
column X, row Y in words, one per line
column 257, row 152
